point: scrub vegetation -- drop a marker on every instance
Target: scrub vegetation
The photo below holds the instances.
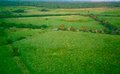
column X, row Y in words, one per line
column 61, row 39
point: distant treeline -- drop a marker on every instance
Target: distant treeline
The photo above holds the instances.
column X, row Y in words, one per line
column 62, row 4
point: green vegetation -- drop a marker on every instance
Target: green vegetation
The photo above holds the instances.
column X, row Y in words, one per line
column 62, row 4
column 55, row 21
column 70, row 52
column 113, row 20
column 41, row 39
column 19, row 11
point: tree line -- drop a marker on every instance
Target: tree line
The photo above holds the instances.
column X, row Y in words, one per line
column 62, row 4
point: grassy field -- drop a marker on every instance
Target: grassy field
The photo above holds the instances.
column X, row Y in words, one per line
column 31, row 10
column 56, row 21
column 113, row 20
column 28, row 50
column 71, row 53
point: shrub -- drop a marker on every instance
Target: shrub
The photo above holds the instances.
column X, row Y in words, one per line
column 20, row 38
column 88, row 11
column 107, row 31
column 72, row 28
column 15, row 51
column 44, row 10
column 9, row 41
column 116, row 32
column 102, row 31
column 44, row 26
column 46, row 18
column 19, row 11
column 92, row 30
column 84, row 28
column 98, row 31
column 61, row 27
column 5, row 14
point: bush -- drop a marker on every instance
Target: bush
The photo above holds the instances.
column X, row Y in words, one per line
column 19, row 11
column 72, row 28
column 84, row 28
column 20, row 38
column 44, row 10
column 5, row 14
column 15, row 51
column 98, row 31
column 116, row 32
column 61, row 27
column 46, row 18
column 44, row 26
column 107, row 31
column 92, row 30
column 9, row 41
